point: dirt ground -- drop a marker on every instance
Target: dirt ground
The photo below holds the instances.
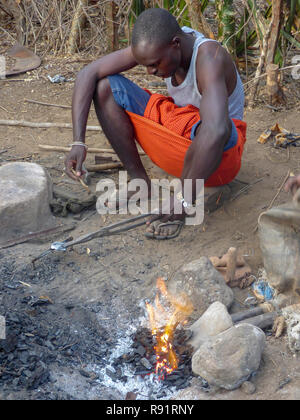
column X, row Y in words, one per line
column 110, row 276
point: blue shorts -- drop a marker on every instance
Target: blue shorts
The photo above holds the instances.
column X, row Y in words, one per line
column 135, row 99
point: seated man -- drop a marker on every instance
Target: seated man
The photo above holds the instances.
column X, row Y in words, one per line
column 206, row 109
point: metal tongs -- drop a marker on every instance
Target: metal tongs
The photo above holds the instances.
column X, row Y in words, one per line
column 112, row 229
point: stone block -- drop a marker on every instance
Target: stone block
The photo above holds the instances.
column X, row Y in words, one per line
column 25, row 193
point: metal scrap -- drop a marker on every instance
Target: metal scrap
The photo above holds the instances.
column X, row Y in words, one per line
column 279, row 137
column 25, row 59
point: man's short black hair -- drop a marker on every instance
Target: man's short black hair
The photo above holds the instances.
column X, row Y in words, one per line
column 156, row 26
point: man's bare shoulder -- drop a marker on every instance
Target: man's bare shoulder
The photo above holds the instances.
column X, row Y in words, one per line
column 215, row 63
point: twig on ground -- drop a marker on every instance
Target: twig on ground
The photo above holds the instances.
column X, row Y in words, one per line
column 275, row 196
column 4, row 109
column 32, row 101
column 279, row 190
column 33, row 235
column 103, row 167
column 242, row 190
column 67, row 149
column 44, row 125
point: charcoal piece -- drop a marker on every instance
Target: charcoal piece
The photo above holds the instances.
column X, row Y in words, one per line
column 111, row 373
column 173, row 378
column 141, row 350
column 24, row 357
column 84, row 373
column 38, row 377
column 180, row 382
column 141, row 372
column 146, row 363
column 9, row 344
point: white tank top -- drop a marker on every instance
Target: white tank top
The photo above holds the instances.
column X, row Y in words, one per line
column 187, row 92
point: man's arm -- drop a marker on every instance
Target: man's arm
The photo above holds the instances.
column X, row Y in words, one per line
column 205, row 153
column 83, row 93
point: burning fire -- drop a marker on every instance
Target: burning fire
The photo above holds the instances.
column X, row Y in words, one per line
column 163, row 325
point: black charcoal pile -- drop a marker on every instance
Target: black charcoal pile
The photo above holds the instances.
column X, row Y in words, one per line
column 42, row 335
column 142, row 359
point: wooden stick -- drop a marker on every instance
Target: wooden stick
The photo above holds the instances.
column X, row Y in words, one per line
column 4, row 109
column 34, row 235
column 12, row 80
column 250, row 313
column 103, row 166
column 81, row 181
column 44, row 125
column 263, row 321
column 32, row 101
column 6, row 11
column 279, row 189
column 67, row 149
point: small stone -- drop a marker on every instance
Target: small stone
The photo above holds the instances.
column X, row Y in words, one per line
column 248, row 387
column 145, row 362
column 214, row 320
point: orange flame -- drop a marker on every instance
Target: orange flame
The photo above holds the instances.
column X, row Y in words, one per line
column 163, row 324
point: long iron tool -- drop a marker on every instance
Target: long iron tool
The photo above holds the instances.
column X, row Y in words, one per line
column 113, row 229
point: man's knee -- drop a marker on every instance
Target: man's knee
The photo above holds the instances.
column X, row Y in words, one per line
column 103, row 90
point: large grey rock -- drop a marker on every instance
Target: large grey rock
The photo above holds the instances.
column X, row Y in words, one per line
column 2, row 328
column 25, row 192
column 214, row 320
column 292, row 318
column 229, row 358
column 203, row 284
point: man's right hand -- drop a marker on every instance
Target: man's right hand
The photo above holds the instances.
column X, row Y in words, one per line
column 293, row 184
column 74, row 160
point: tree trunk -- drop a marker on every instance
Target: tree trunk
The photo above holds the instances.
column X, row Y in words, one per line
column 277, row 6
column 78, row 23
column 111, row 26
column 198, row 21
column 259, row 68
column 275, row 93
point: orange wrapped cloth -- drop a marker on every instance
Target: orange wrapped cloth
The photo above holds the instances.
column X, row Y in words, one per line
column 164, row 134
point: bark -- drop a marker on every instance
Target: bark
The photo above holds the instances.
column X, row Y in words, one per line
column 260, row 67
column 111, row 26
column 262, row 321
column 18, row 123
column 275, row 93
column 277, row 6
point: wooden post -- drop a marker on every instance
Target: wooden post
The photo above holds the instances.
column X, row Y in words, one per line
column 274, row 91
